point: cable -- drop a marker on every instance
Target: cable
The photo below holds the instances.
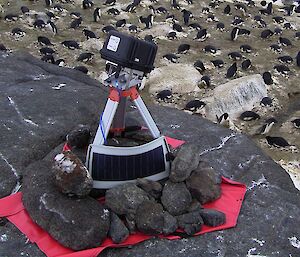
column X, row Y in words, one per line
column 101, row 127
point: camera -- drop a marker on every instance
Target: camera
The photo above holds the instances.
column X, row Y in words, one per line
column 129, row 52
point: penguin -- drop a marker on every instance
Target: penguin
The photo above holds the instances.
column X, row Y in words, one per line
column 130, row 8
column 234, row 33
column 85, row 57
column 205, row 80
column 276, row 48
column 266, row 34
column 57, row 8
column 282, row 69
column 49, row 3
column 297, row 35
column 76, row 23
column 3, row 48
column 177, row 27
column 284, row 41
column 18, row 32
column 202, row 35
column 296, row 123
column 235, row 56
column 86, row 4
column 237, row 21
column 44, row 41
column 172, row 35
column 52, row 27
column 164, row 95
column 223, row 119
column 205, row 10
column 83, row 69
column 278, row 19
column 60, row 62
column 186, row 16
column 48, row 58
column 70, row 44
column 298, row 59
column 218, row 63
column 245, row 32
column 148, row 21
column 231, row 71
column 290, row 10
column 133, row 28
column 285, row 59
column 277, row 31
column 88, row 34
column 171, row 18
column 110, row 2
column 277, row 141
column 107, row 29
column 266, row 127
column 250, row 3
column 246, row 48
column 195, row 26
column 75, row 15
column 175, row 5
column 171, row 58
column 121, row 23
column 266, row 101
column 24, row 9
column 268, row 10
column 97, row 14
column 39, row 24
column 260, row 21
column 227, row 10
column 11, row 17
column 210, row 49
column 189, row 1
column 246, row 64
column 267, row 77
column 113, row 11
column 287, row 25
column 249, row 116
column 50, row 15
column 183, row 48
column 149, row 38
column 211, row 18
column 220, row 26
column 199, row 66
column 161, row 10
column 194, row 105
column 47, row 51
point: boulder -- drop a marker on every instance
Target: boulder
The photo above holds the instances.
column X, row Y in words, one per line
column 124, row 199
column 152, row 219
column 191, row 222
column 212, row 218
column 186, row 160
column 117, row 230
column 177, row 77
column 75, row 223
column 8, row 179
column 204, row 184
column 236, row 96
column 175, row 198
column 71, row 176
column 153, row 188
column 79, row 137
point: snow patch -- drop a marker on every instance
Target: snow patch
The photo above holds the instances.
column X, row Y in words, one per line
column 294, row 241
column 260, row 242
column 261, row 182
column 251, row 253
column 3, row 238
column 223, row 142
column 64, row 163
column 59, row 86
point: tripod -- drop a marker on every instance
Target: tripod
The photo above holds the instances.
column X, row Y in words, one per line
column 109, row 165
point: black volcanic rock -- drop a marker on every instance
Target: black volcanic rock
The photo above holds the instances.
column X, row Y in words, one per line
column 75, row 223
column 153, row 188
column 175, row 198
column 79, row 137
column 204, row 184
column 186, row 160
column 117, row 230
column 124, row 199
column 190, row 222
column 212, row 218
column 152, row 219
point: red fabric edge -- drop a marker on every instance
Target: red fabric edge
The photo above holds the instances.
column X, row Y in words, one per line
column 11, row 207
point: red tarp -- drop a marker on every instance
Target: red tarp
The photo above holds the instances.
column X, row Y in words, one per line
column 12, row 207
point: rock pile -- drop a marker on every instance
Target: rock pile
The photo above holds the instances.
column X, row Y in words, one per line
column 147, row 206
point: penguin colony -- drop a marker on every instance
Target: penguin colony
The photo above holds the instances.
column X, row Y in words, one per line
column 221, row 40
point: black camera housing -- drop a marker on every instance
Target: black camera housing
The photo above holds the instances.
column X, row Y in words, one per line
column 128, row 51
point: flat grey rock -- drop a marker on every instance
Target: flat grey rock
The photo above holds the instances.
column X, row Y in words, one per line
column 270, row 211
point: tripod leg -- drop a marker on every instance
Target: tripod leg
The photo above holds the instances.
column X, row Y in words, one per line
column 146, row 116
column 118, row 124
column 106, row 121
